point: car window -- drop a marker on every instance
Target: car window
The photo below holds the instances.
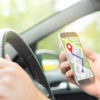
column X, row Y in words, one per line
column 87, row 28
column 23, row 14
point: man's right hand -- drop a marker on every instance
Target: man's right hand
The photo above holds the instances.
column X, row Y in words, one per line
column 94, row 61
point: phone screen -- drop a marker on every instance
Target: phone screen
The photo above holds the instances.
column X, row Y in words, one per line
column 77, row 57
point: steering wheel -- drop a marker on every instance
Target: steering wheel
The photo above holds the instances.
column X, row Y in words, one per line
column 10, row 36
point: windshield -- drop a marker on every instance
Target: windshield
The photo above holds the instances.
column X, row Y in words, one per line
column 20, row 15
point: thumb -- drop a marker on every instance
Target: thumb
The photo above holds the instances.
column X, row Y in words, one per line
column 61, row 46
column 90, row 54
column 7, row 57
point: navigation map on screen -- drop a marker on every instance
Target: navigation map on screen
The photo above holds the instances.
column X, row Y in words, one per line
column 77, row 57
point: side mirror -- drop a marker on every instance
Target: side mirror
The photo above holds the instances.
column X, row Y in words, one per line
column 48, row 59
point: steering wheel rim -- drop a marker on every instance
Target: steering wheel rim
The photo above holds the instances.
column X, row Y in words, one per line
column 11, row 37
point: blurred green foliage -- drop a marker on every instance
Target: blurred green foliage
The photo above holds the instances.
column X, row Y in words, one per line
column 90, row 35
column 23, row 14
column 50, row 42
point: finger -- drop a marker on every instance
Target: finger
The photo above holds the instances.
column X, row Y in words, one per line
column 70, row 76
column 62, row 56
column 65, row 66
column 61, row 47
column 7, row 57
column 4, row 63
column 90, row 54
column 92, row 64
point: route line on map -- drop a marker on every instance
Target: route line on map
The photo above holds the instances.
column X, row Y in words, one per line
column 81, row 59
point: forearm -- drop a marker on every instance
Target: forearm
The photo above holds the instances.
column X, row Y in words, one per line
column 38, row 95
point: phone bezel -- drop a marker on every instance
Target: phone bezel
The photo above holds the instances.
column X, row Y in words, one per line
column 79, row 82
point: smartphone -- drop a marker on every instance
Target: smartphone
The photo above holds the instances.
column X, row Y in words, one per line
column 78, row 61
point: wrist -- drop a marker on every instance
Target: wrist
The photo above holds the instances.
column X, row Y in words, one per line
column 39, row 95
column 98, row 95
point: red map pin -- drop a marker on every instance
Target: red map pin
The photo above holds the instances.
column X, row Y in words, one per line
column 69, row 46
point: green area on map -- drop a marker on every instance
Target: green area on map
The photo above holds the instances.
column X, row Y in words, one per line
column 73, row 65
column 76, row 43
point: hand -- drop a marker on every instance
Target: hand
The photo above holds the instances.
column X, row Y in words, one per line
column 94, row 61
column 15, row 84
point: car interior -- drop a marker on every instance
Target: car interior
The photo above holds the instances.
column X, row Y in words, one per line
column 37, row 49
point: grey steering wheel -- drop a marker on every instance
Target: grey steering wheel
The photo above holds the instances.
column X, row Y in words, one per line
column 10, row 36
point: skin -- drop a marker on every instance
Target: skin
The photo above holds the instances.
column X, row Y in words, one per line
column 15, row 84
column 94, row 61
